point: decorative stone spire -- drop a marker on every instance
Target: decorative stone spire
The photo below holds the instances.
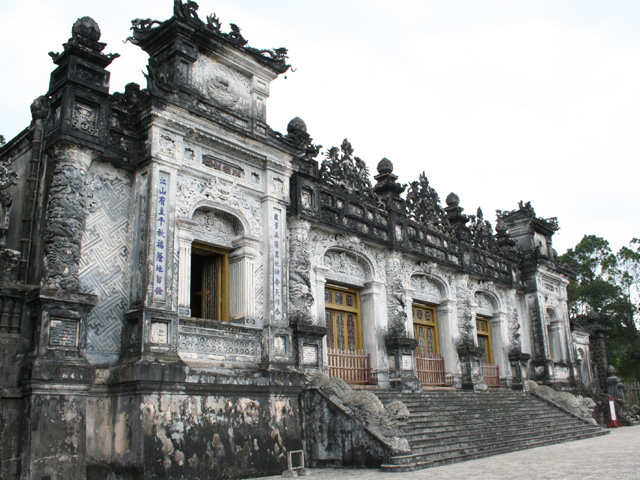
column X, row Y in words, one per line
column 387, row 188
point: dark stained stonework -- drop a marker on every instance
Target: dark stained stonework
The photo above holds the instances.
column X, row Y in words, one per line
column 163, row 262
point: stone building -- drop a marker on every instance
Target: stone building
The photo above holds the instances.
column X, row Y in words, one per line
column 173, row 271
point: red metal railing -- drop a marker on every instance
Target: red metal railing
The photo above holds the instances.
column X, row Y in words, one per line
column 352, row 366
column 431, row 369
column 491, row 374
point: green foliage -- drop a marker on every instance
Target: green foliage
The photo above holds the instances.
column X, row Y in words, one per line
column 2, row 140
column 610, row 284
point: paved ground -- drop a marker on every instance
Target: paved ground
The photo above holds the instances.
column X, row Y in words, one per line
column 610, row 457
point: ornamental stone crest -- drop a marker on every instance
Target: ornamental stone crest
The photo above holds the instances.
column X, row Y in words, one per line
column 342, row 169
column 424, row 206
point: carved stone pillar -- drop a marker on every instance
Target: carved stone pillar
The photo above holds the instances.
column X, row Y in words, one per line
column 402, row 365
column 300, row 288
column 472, row 378
column 65, row 220
column 598, row 352
column 519, row 369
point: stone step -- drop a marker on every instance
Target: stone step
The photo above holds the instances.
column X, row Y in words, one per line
column 529, row 426
column 465, row 441
column 417, row 462
column 503, row 446
column 447, row 426
column 470, row 418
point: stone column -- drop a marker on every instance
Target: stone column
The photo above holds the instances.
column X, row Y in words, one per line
column 374, row 316
column 58, row 374
column 242, row 282
column 65, row 220
column 519, row 369
column 184, row 275
column 402, row 365
column 598, row 353
column 472, row 378
column 301, row 297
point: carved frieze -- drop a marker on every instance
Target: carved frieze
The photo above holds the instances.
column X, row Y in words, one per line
column 224, row 194
column 84, row 118
column 370, row 260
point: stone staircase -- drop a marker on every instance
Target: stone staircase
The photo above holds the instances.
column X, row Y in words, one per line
column 448, row 426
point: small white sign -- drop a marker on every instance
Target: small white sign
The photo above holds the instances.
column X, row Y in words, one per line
column 160, row 333
column 406, row 362
column 310, row 354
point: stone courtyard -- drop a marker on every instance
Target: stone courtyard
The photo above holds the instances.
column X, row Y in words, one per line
column 611, row 457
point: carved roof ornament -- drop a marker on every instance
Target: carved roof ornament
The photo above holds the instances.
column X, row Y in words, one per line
column 342, row 169
column 84, row 42
column 424, row 206
column 527, row 210
column 481, row 231
column 298, row 137
column 144, row 29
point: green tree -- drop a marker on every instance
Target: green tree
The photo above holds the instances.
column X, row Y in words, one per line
column 2, row 140
column 609, row 284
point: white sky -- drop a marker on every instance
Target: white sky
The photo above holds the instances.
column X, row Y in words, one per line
column 498, row 101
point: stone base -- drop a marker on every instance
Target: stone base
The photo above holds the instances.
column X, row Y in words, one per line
column 406, row 384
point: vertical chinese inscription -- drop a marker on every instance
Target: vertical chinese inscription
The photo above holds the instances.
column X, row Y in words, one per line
column 277, row 270
column 160, row 257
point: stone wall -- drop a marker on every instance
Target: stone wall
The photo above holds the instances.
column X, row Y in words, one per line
column 198, row 435
column 105, row 264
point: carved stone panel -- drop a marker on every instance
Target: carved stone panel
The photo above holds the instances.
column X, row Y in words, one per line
column 222, row 86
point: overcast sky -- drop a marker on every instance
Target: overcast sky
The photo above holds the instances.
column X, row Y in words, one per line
column 497, row 101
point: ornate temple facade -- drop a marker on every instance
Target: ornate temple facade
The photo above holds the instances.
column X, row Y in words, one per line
column 174, row 271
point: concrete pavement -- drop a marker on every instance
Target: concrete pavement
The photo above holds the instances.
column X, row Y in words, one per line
column 610, row 457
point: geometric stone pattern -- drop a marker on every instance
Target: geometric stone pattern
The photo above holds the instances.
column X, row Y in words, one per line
column 105, row 256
